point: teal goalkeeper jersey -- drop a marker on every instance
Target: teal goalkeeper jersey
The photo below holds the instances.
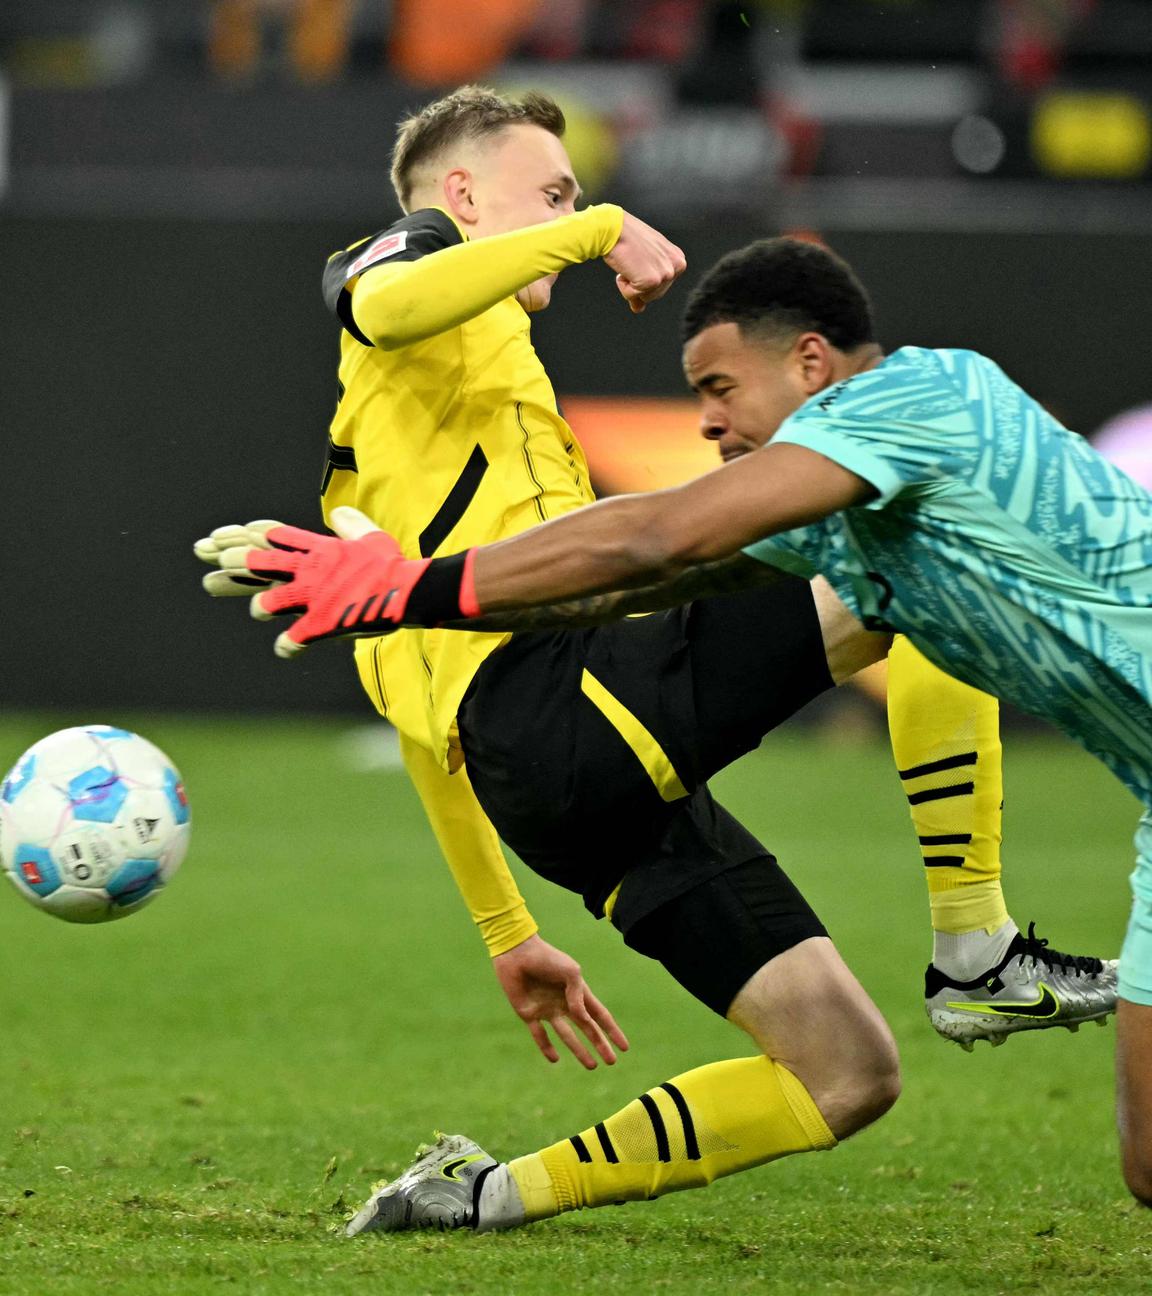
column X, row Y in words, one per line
column 1008, row 551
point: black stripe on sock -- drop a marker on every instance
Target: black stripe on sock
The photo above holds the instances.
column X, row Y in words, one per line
column 691, row 1147
column 606, row 1144
column 663, row 1151
column 941, row 794
column 582, row 1153
column 938, row 766
column 943, row 861
column 949, row 762
column 946, row 839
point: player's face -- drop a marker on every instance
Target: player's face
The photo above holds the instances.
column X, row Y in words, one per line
column 746, row 387
column 523, row 177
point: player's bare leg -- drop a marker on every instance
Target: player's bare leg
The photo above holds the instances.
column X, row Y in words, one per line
column 848, row 646
column 822, row 1076
column 1134, row 1096
column 844, row 1054
column 1134, row 1030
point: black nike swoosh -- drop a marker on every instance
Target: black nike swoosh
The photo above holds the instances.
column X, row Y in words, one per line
column 1046, row 1006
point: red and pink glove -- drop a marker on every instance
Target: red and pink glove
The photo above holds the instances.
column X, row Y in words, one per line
column 355, row 583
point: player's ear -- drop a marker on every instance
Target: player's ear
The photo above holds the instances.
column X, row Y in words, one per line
column 460, row 196
column 812, row 353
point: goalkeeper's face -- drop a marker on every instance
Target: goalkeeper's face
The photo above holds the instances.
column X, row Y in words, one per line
column 521, row 177
column 747, row 386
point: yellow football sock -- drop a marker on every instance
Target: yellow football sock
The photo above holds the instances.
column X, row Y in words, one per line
column 946, row 741
column 709, row 1122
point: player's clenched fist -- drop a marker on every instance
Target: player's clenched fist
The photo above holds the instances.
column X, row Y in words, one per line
column 355, row 583
column 646, row 263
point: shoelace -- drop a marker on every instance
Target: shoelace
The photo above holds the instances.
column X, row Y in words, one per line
column 1076, row 964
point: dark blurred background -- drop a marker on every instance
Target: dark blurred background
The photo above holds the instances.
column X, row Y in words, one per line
column 174, row 174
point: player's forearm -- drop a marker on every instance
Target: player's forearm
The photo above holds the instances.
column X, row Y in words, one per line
column 619, row 544
column 471, row 849
column 637, row 540
column 728, row 576
column 400, row 304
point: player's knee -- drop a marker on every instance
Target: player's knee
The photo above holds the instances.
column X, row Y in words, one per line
column 862, row 1083
column 877, row 1085
column 879, row 1094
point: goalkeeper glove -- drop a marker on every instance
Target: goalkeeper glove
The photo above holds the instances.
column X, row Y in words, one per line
column 355, row 583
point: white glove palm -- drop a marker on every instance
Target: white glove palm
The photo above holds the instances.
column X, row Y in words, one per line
column 226, row 549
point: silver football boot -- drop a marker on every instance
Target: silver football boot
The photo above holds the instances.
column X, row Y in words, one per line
column 1031, row 988
column 439, row 1190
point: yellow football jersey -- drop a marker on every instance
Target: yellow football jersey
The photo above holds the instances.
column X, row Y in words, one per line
column 450, row 440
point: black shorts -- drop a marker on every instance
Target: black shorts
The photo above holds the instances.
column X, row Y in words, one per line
column 590, row 750
column 718, row 935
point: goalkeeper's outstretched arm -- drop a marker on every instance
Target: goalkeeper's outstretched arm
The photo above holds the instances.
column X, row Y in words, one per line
column 727, row 576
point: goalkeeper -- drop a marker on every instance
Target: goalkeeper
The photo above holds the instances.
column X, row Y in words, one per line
column 595, row 747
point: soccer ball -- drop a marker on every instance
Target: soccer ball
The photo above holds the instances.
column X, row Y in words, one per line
column 93, row 822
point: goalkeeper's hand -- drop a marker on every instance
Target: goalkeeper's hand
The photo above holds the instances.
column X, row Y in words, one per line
column 354, row 583
column 226, row 545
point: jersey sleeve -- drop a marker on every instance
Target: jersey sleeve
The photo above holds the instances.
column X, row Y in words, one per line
column 901, row 429
column 472, row 850
column 416, row 235
column 397, row 305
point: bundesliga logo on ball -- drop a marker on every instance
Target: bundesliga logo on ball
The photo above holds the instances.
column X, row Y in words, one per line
column 94, row 821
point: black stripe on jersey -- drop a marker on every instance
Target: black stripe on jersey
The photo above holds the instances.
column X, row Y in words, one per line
column 946, row 839
column 427, row 230
column 455, row 505
column 939, row 766
column 943, row 861
column 530, row 465
column 582, row 1153
column 570, row 451
column 606, row 1144
column 941, row 794
column 344, row 315
column 691, row 1147
column 663, row 1151
column 381, row 696
column 339, row 459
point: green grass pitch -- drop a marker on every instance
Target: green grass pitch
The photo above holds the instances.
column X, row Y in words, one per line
column 190, row 1099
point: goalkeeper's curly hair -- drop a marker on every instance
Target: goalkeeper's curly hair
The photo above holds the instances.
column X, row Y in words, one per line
column 781, row 287
column 472, row 112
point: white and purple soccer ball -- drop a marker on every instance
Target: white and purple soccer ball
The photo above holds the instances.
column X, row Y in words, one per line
column 94, row 822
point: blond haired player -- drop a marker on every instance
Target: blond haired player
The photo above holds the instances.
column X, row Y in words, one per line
column 447, row 427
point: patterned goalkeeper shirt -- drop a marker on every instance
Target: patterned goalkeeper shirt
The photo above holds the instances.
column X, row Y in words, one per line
column 1008, row 550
